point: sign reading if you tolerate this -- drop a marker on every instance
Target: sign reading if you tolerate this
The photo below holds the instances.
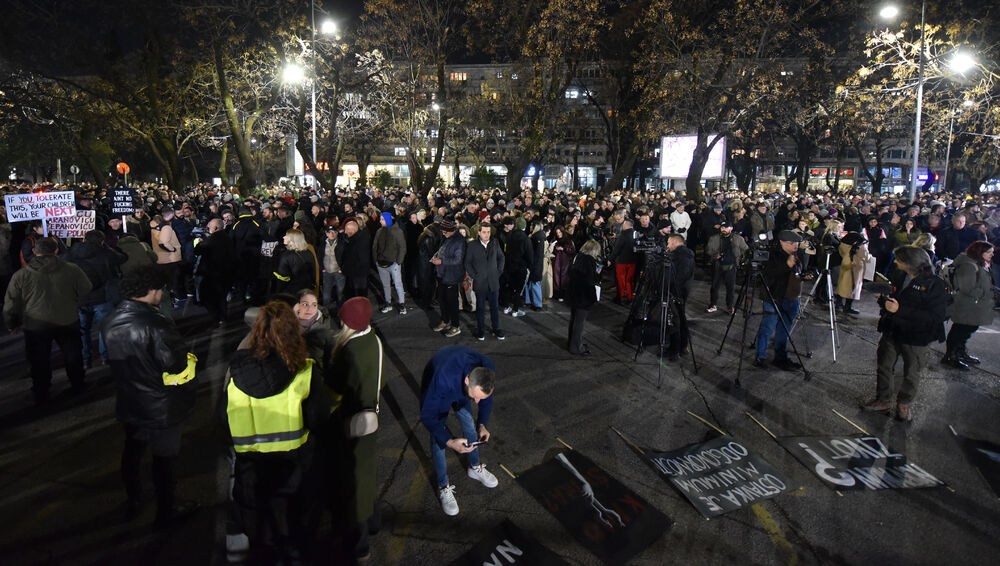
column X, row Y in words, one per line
column 719, row 476
column 23, row 207
column 857, row 463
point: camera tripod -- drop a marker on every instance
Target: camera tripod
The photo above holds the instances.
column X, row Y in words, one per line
column 660, row 273
column 824, row 275
column 753, row 277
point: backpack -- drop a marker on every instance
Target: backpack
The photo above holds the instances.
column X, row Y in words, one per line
column 947, row 274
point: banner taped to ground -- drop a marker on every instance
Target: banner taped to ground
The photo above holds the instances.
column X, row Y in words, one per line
column 720, row 475
column 985, row 456
column 603, row 515
column 508, row 545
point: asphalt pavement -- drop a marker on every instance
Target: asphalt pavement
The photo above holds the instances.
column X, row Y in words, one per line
column 62, row 499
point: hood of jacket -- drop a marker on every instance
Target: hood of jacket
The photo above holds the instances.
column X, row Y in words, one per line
column 84, row 251
column 44, row 264
column 259, row 378
column 963, row 259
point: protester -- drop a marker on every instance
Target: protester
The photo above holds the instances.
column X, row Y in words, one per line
column 518, row 259
column 484, row 262
column 297, row 267
column 854, row 256
column 911, row 317
column 102, row 266
column 452, row 378
column 273, row 399
column 168, row 253
column 449, row 264
column 331, row 257
column 147, row 354
column 43, row 300
column 726, row 254
column 581, row 293
column 357, row 259
column 973, row 284
column 782, row 275
column 215, row 265
column 389, row 250
column 625, row 259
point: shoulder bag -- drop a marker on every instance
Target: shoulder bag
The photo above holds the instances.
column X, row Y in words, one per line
column 365, row 421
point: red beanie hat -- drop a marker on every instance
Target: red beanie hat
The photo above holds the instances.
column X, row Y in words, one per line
column 356, row 313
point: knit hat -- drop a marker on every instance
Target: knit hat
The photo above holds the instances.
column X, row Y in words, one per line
column 520, row 223
column 300, row 215
column 447, row 226
column 388, row 218
column 356, row 313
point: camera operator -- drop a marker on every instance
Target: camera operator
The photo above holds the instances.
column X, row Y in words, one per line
column 783, row 277
column 912, row 317
column 807, row 249
column 725, row 251
column 829, row 245
column 681, row 262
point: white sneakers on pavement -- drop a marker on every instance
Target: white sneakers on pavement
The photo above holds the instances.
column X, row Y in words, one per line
column 483, row 476
column 448, row 502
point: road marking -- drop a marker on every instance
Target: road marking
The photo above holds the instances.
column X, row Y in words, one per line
column 773, row 530
column 397, row 544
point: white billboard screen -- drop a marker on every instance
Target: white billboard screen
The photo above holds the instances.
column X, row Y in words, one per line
column 676, row 153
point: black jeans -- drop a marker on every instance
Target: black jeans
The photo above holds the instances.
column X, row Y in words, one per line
column 38, row 349
column 577, row 320
column 728, row 276
column 448, row 299
column 959, row 335
column 166, row 445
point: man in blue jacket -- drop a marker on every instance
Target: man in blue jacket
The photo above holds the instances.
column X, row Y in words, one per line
column 453, row 377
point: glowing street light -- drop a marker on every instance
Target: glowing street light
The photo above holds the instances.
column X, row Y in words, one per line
column 436, row 107
column 294, row 73
column 328, row 27
column 889, row 12
column 962, row 63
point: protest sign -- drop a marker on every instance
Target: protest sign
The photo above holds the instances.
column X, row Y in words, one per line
column 986, row 457
column 857, row 463
column 122, row 201
column 73, row 226
column 719, row 476
column 603, row 515
column 40, row 206
column 508, row 545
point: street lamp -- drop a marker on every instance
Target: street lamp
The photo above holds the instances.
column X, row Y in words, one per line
column 947, row 154
column 328, row 27
column 293, row 73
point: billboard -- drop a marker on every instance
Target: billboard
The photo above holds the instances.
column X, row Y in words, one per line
column 676, row 153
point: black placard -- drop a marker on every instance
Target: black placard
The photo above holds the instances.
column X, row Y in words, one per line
column 857, row 463
column 122, row 201
column 508, row 545
column 719, row 476
column 606, row 517
column 986, row 457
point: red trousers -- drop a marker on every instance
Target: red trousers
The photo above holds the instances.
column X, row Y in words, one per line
column 624, row 275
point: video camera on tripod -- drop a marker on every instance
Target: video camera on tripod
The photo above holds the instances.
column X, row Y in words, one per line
column 760, row 250
column 649, row 245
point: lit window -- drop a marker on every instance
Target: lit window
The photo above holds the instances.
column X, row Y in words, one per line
column 400, row 152
column 499, row 74
column 434, row 133
column 513, row 76
column 572, row 93
column 459, row 76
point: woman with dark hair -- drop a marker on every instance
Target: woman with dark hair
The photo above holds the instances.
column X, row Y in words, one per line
column 879, row 244
column 273, row 397
column 563, row 252
column 317, row 326
column 581, row 293
column 973, row 284
column 911, row 318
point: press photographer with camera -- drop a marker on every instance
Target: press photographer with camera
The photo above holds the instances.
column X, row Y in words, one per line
column 726, row 252
column 783, row 277
column 911, row 317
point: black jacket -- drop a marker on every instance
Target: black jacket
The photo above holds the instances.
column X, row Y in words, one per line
column 682, row 272
column 581, row 292
column 624, row 250
column 297, row 270
column 101, row 264
column 217, row 257
column 484, row 265
column 357, row 255
column 142, row 345
column 518, row 253
column 247, row 238
column 452, row 255
column 777, row 274
column 920, row 318
column 538, row 256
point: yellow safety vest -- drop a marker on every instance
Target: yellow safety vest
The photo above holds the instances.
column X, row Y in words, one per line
column 272, row 424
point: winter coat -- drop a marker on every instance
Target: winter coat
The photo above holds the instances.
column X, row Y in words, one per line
column 538, row 256
column 761, row 223
column 357, row 255
column 920, row 318
column 973, row 293
column 951, row 242
column 484, row 264
column 101, row 265
column 165, row 244
column 737, row 244
column 452, row 256
column 581, row 292
column 246, row 234
column 142, row 345
column 45, row 294
column 518, row 253
column 320, row 338
column 217, row 257
column 624, row 250
column 389, row 246
column 560, row 262
column 442, row 387
column 296, row 270
column 852, row 270
column 139, row 253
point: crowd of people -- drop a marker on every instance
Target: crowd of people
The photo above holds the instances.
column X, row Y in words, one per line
column 314, row 264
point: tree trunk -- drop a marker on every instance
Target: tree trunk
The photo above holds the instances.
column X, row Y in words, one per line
column 223, row 163
column 364, row 157
column 614, row 182
column 703, row 149
column 247, row 180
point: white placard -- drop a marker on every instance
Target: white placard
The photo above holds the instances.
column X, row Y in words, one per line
column 73, row 226
column 40, row 206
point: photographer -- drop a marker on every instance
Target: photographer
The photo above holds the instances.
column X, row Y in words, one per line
column 829, row 258
column 681, row 262
column 725, row 252
column 912, row 316
column 782, row 275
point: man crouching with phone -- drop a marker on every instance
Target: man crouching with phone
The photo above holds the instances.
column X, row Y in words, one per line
column 455, row 376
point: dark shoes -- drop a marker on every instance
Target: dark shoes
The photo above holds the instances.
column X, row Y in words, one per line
column 851, row 310
column 175, row 515
column 787, row 365
column 952, row 359
column 903, row 412
column 967, row 357
column 876, row 406
column 759, row 363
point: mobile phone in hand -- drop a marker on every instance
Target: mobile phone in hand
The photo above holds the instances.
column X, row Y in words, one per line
column 476, row 443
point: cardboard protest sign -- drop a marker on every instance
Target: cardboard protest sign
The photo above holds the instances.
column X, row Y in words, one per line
column 40, row 206
column 986, row 457
column 73, row 226
column 122, row 201
column 857, row 463
column 719, row 476
column 508, row 545
column 606, row 517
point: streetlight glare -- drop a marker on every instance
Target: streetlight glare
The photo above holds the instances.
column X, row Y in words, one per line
column 889, row 12
column 968, row 103
column 962, row 62
column 294, row 73
column 328, row 27
column 436, row 106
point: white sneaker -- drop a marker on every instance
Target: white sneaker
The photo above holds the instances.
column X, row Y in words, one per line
column 712, row 308
column 506, row 310
column 483, row 476
column 518, row 312
column 448, row 503
column 402, row 310
column 385, row 309
column 440, row 327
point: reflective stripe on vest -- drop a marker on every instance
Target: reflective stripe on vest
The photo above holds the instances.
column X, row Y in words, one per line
column 272, row 424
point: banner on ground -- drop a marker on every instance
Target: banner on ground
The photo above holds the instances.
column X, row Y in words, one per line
column 508, row 545
column 39, row 206
column 122, row 201
column 985, row 456
column 719, row 476
column 603, row 515
column 73, row 226
column 857, row 463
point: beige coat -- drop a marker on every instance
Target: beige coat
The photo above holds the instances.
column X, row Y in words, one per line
column 165, row 235
column 852, row 271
